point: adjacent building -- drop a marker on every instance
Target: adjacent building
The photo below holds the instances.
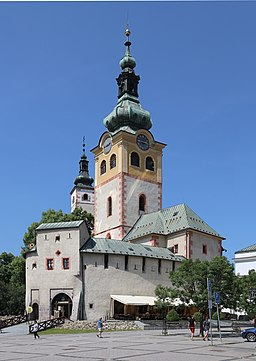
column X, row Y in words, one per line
column 245, row 260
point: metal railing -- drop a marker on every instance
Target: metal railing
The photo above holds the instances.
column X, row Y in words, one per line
column 15, row 320
column 44, row 325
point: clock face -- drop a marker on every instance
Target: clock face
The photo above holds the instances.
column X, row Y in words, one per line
column 142, row 142
column 107, row 145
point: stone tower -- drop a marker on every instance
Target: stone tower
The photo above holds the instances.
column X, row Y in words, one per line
column 82, row 194
column 128, row 161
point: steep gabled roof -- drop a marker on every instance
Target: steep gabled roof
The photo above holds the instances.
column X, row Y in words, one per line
column 112, row 246
column 169, row 220
column 247, row 249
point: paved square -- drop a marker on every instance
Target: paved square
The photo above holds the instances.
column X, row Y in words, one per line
column 123, row 346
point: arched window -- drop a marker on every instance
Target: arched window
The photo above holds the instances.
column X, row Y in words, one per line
column 150, row 164
column 135, row 159
column 142, row 203
column 109, row 210
column 85, row 197
column 103, row 167
column 112, row 162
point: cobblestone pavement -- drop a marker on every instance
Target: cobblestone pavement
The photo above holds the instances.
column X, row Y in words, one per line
column 123, row 346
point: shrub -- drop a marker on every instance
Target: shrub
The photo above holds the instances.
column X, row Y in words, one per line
column 215, row 316
column 172, row 316
column 197, row 316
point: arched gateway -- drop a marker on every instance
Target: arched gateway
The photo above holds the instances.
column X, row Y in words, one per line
column 61, row 306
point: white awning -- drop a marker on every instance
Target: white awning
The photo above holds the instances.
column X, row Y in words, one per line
column 134, row 300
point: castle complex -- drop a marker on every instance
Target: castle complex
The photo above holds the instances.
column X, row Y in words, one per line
column 135, row 244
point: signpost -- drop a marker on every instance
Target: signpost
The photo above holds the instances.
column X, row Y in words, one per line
column 209, row 289
column 217, row 301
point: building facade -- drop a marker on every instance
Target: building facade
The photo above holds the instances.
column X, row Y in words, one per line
column 245, row 260
column 136, row 243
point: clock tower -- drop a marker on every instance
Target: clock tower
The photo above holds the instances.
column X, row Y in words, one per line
column 128, row 160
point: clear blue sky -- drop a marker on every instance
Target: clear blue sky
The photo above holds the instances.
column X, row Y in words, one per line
column 196, row 60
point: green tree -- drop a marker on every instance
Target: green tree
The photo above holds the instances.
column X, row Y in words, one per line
column 16, row 287
column 163, row 299
column 52, row 216
column 189, row 283
column 248, row 294
column 12, row 284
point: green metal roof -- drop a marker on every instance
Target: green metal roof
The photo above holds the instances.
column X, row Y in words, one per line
column 169, row 220
column 247, row 249
column 73, row 224
column 112, row 246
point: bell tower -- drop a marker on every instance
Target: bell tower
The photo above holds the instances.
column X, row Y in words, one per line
column 82, row 194
column 128, row 160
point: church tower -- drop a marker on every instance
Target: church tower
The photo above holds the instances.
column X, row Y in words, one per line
column 128, row 160
column 82, row 194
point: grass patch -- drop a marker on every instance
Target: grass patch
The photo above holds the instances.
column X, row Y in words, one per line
column 64, row 331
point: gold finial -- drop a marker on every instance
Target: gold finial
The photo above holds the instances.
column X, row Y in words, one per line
column 127, row 32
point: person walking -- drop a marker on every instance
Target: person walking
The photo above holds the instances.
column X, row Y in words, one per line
column 206, row 329
column 36, row 329
column 191, row 326
column 100, row 326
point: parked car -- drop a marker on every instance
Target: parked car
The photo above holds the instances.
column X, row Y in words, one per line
column 249, row 334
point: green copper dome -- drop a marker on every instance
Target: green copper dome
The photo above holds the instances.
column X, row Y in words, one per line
column 83, row 179
column 128, row 113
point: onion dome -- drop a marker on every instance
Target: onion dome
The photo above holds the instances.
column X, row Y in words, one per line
column 83, row 179
column 127, row 61
column 128, row 114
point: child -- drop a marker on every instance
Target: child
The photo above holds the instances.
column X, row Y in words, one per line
column 35, row 329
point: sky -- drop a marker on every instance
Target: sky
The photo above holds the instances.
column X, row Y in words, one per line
column 196, row 61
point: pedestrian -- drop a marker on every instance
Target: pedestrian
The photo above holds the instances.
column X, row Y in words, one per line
column 191, row 326
column 206, row 329
column 100, row 326
column 35, row 329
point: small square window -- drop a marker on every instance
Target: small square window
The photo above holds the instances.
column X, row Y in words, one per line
column 49, row 264
column 204, row 249
column 90, row 305
column 57, row 238
column 34, row 266
column 65, row 263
